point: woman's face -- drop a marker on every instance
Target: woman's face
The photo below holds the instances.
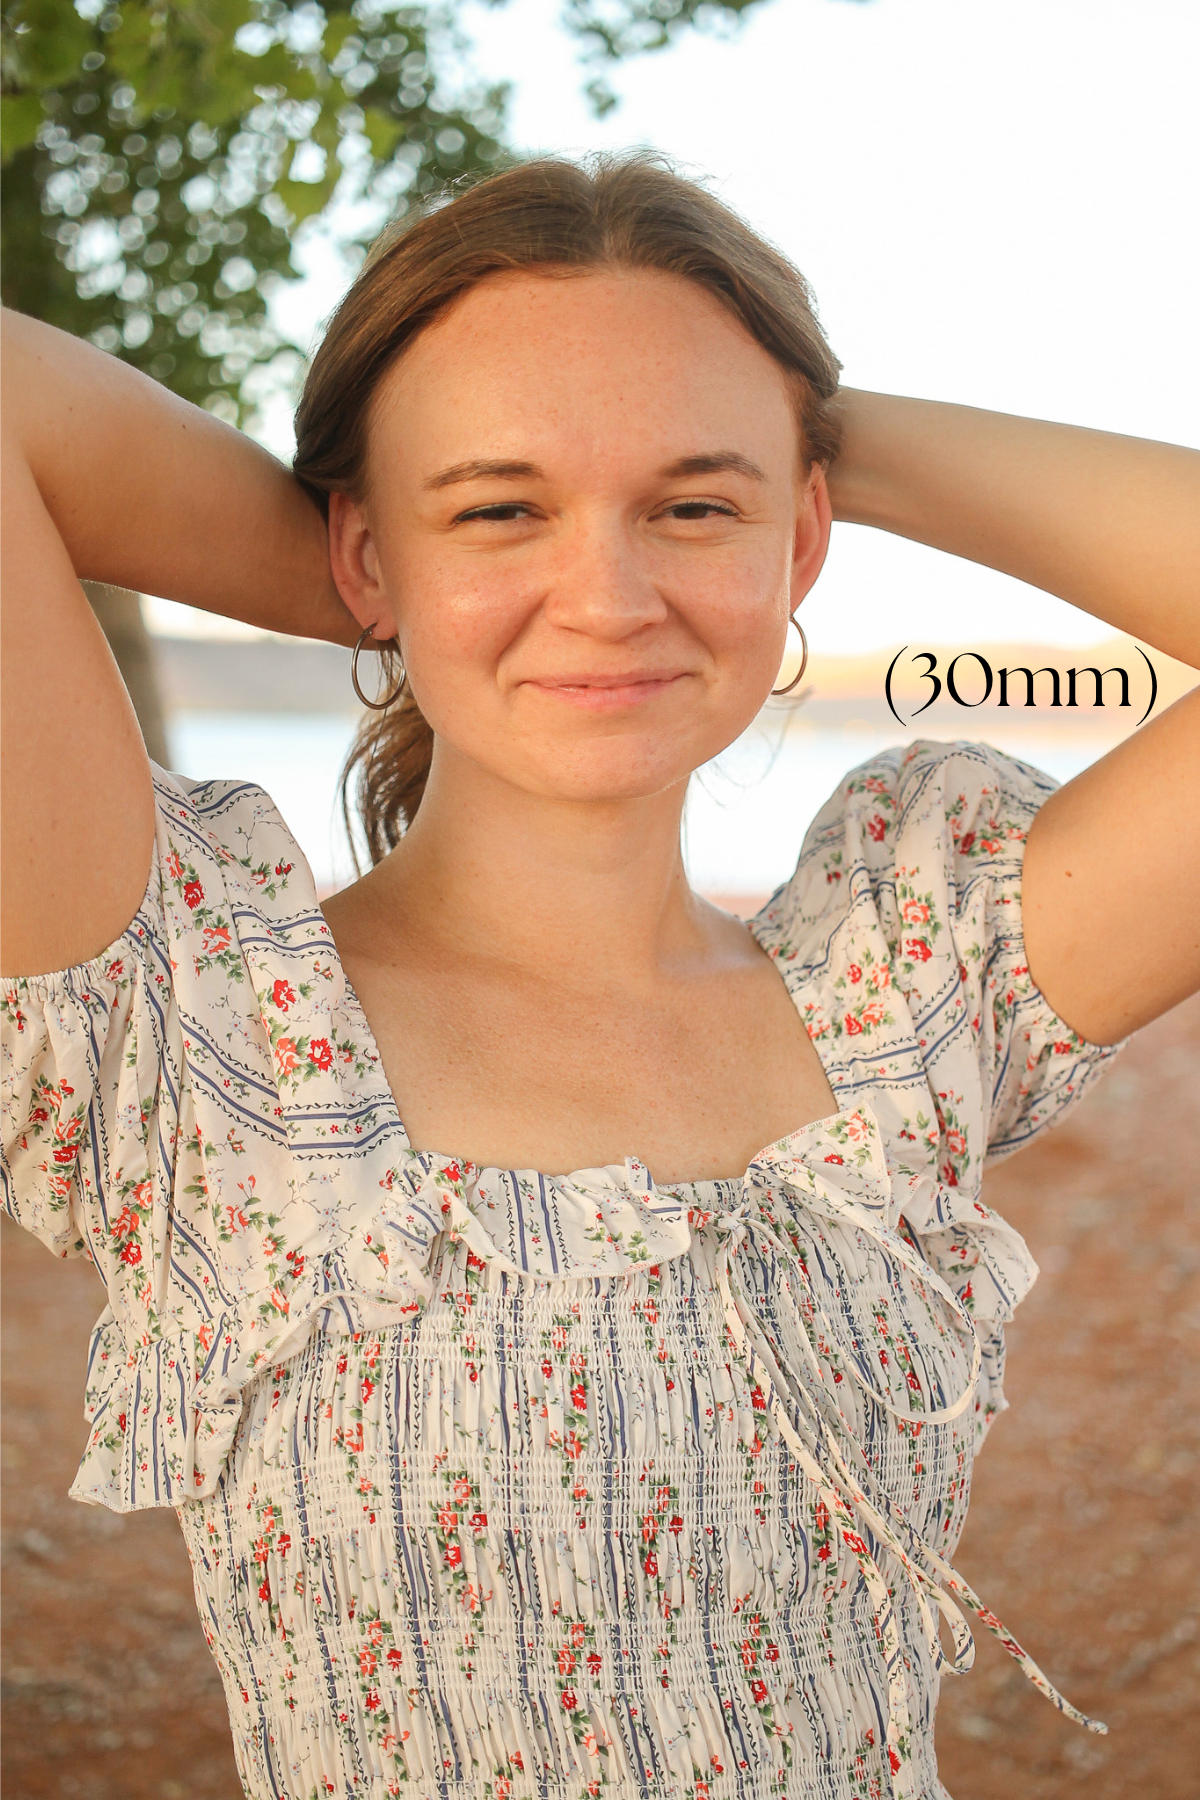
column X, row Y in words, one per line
column 587, row 521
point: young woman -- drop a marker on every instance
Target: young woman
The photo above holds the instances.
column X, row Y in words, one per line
column 499, row 1480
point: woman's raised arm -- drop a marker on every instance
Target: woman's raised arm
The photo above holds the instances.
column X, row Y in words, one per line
column 1112, row 524
column 110, row 477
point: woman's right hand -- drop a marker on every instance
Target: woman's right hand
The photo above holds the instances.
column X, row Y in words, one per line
column 108, row 476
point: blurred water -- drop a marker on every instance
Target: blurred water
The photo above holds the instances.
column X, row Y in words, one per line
column 746, row 814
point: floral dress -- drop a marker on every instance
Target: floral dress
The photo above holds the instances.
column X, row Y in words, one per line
column 507, row 1484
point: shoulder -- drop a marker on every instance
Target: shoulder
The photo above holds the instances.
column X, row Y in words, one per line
column 968, row 799
column 226, row 856
column 940, row 811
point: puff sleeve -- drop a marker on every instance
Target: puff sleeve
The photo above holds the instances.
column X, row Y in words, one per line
column 901, row 936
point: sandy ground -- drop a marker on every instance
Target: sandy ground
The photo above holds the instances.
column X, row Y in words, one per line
column 1083, row 1532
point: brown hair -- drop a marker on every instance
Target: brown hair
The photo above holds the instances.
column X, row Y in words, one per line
column 630, row 211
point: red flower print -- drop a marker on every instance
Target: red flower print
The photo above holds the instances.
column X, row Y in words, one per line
column 283, row 995
column 914, row 912
column 893, row 1760
column 372, row 1701
column 454, row 1556
column 918, row 949
column 367, row 1661
column 216, row 937
column 447, row 1518
column 1062, row 1049
column 286, row 1055
column 282, row 868
column 854, row 973
column 676, row 1525
column 193, row 894
column 479, row 1521
column 131, row 1254
column 834, row 1157
column 877, row 828
column 759, row 1690
column 593, row 1662
column 966, row 840
column 174, row 866
column 320, row 1053
column 394, row 1659
column 125, row 1223
column 853, row 1026
column 758, row 1399
column 651, row 1563
column 566, row 1661
column 66, row 1153
column 579, row 1396
column 569, row 1701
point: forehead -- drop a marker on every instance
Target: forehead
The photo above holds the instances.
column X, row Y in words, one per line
column 606, row 364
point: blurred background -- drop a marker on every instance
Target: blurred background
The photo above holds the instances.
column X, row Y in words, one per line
column 995, row 201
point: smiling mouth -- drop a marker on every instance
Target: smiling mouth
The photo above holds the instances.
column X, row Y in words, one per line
column 608, row 693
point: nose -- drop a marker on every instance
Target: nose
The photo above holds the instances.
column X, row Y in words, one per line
column 601, row 587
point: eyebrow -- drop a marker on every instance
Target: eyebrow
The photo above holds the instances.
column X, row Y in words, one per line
column 714, row 462
column 493, row 471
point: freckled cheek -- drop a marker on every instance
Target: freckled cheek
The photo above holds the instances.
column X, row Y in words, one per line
column 456, row 627
column 741, row 624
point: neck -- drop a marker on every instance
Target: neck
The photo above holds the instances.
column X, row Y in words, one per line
column 530, row 879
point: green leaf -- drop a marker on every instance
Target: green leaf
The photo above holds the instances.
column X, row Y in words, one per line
column 305, row 198
column 20, row 118
column 337, row 31
column 383, row 131
column 48, row 50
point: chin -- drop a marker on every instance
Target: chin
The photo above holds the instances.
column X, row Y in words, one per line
column 613, row 772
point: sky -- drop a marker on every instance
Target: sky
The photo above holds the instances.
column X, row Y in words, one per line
column 995, row 201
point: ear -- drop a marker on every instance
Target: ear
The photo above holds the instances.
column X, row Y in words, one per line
column 814, row 520
column 354, row 561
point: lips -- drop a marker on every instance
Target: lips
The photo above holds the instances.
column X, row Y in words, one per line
column 602, row 692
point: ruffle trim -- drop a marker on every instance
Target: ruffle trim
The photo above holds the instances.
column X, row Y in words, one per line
column 164, row 1413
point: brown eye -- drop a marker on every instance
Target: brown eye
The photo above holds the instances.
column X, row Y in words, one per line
column 698, row 509
column 503, row 513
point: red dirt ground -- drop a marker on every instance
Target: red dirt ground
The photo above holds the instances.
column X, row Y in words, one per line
column 1083, row 1532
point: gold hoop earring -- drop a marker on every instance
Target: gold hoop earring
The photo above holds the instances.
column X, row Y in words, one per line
column 375, row 705
column 777, row 693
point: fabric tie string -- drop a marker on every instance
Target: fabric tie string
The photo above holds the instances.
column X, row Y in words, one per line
column 819, row 1437
column 811, row 1424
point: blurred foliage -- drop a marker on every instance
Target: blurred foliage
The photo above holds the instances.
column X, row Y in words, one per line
column 158, row 157
column 612, row 30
